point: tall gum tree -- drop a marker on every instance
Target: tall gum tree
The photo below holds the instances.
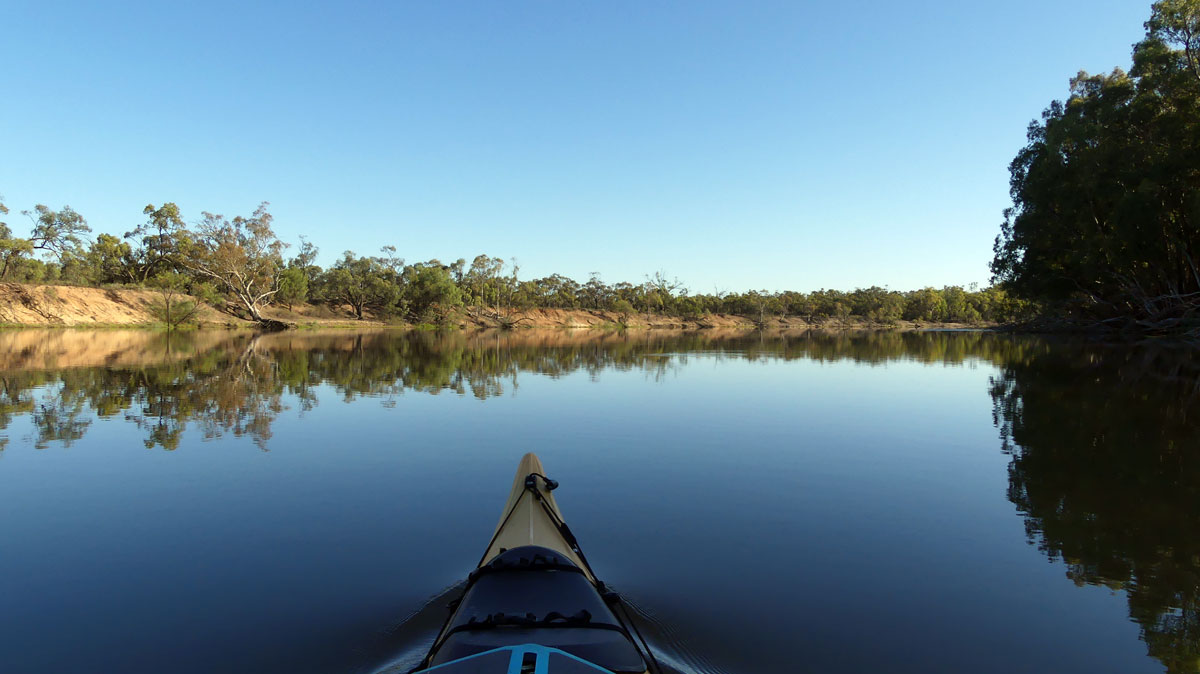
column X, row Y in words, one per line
column 1105, row 220
column 242, row 255
column 59, row 233
column 11, row 248
column 158, row 239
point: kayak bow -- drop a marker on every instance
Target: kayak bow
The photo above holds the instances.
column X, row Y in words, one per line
column 533, row 604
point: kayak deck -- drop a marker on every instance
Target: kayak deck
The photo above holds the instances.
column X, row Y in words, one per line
column 533, row 601
column 526, row 521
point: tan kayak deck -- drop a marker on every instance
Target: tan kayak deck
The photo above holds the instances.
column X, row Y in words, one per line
column 525, row 521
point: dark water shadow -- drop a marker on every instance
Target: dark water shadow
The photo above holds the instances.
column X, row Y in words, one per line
column 400, row 647
column 670, row 647
column 1105, row 471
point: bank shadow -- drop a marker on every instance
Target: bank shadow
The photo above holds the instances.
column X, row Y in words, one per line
column 1105, row 470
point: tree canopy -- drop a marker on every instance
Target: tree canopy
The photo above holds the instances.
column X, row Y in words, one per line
column 238, row 264
column 1105, row 222
column 160, row 240
column 242, row 255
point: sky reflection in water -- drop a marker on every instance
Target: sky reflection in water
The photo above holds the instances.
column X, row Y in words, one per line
column 775, row 503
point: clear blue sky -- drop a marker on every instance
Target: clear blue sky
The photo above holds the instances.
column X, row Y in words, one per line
column 731, row 144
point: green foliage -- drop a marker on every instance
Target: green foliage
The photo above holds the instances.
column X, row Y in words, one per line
column 841, row 312
column 238, row 262
column 57, row 233
column 293, row 286
column 1105, row 219
column 761, row 304
column 429, row 292
column 623, row 309
column 160, row 242
column 60, row 233
column 684, row 305
column 9, row 247
column 363, row 283
column 108, row 260
column 484, row 283
column 305, row 261
column 206, row 292
column 172, row 307
column 878, row 305
column 926, row 304
column 13, row 251
column 242, row 255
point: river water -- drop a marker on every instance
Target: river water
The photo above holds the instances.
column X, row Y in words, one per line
column 859, row 502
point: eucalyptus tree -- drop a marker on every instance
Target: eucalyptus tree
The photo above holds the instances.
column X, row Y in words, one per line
column 362, row 283
column 173, row 307
column 630, row 293
column 763, row 304
column 623, row 309
column 482, row 280
column 110, row 260
column 305, row 262
column 926, row 304
column 556, row 291
column 158, row 240
column 61, row 234
column 877, row 304
column 428, row 291
column 594, row 294
column 662, row 291
column 243, row 256
column 12, row 248
column 825, row 302
column 1105, row 218
column 293, row 287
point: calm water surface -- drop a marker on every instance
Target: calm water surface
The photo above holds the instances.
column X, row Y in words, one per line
column 936, row 502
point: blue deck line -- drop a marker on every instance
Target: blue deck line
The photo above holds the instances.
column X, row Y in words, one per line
column 517, row 658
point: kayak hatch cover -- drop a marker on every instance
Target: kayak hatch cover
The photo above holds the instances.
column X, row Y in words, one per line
column 533, row 604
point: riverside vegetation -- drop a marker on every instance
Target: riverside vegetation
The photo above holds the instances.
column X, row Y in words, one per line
column 1104, row 232
column 239, row 264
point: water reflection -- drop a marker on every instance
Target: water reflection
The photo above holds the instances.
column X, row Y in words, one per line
column 1106, row 470
column 238, row 383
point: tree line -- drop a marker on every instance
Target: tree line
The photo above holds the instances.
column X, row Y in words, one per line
column 1105, row 222
column 239, row 264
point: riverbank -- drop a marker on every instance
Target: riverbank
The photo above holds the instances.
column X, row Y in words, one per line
column 42, row 306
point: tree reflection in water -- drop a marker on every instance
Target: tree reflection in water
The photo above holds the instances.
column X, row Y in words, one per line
column 1106, row 470
column 1105, row 465
column 238, row 383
